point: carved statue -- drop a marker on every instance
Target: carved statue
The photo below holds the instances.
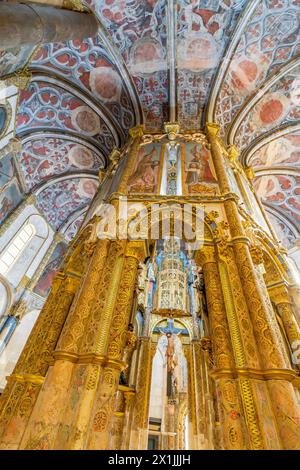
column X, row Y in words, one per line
column 141, row 286
column 172, row 362
column 200, row 289
column 131, row 340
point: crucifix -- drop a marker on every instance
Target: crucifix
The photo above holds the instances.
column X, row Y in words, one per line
column 172, row 360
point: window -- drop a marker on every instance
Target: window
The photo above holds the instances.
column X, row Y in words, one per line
column 15, row 248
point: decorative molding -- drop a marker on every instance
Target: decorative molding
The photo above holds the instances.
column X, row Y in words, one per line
column 260, row 142
column 227, row 57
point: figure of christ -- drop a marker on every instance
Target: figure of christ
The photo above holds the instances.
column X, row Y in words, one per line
column 145, row 176
column 172, row 362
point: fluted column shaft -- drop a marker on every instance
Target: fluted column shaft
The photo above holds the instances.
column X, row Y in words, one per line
column 272, row 358
column 102, row 414
column 228, row 390
column 138, row 437
column 25, row 382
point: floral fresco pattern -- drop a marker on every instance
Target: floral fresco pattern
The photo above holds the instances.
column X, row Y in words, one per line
column 74, row 227
column 269, row 41
column 46, row 157
column 87, row 64
column 283, row 232
column 138, row 28
column 47, row 106
column 59, row 200
column 280, row 105
column 281, row 191
column 204, row 29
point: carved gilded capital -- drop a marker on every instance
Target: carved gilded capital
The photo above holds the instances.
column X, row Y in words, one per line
column 128, row 396
column 256, row 254
column 206, row 344
column 223, row 247
column 212, row 129
column 20, row 79
column 101, row 175
column 206, row 255
column 249, row 173
column 233, row 153
column 137, row 131
column 75, row 5
column 137, row 250
column 172, row 130
column 279, row 295
column 212, row 217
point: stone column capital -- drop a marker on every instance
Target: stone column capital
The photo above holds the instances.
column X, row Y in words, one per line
column 137, row 131
column 212, row 129
column 206, row 255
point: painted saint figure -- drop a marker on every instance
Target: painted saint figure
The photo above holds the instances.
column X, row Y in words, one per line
column 199, row 169
column 144, row 179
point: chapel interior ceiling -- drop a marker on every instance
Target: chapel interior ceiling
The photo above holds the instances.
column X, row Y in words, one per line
column 234, row 62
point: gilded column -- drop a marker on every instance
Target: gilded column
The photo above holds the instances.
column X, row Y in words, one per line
column 274, row 363
column 129, row 403
column 192, row 418
column 73, row 428
column 102, row 415
column 24, row 384
column 267, row 342
column 55, row 413
column 259, row 415
column 138, row 438
column 227, row 388
column 199, row 392
column 284, row 306
column 136, row 134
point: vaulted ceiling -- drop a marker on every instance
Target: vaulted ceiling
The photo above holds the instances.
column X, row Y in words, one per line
column 234, row 62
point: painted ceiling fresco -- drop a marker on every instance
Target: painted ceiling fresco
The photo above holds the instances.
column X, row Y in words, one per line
column 72, row 229
column 269, row 40
column 204, row 30
column 281, row 191
column 279, row 106
column 234, row 62
column 62, row 198
column 284, row 233
column 44, row 158
column 281, row 152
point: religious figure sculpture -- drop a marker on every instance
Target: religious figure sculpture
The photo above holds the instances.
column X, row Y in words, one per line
column 129, row 348
column 172, row 362
column 141, row 286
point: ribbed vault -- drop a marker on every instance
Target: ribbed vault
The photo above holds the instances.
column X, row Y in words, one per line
column 234, row 62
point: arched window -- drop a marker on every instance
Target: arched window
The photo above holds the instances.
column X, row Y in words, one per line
column 16, row 247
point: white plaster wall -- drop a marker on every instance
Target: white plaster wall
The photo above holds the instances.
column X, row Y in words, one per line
column 11, row 353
